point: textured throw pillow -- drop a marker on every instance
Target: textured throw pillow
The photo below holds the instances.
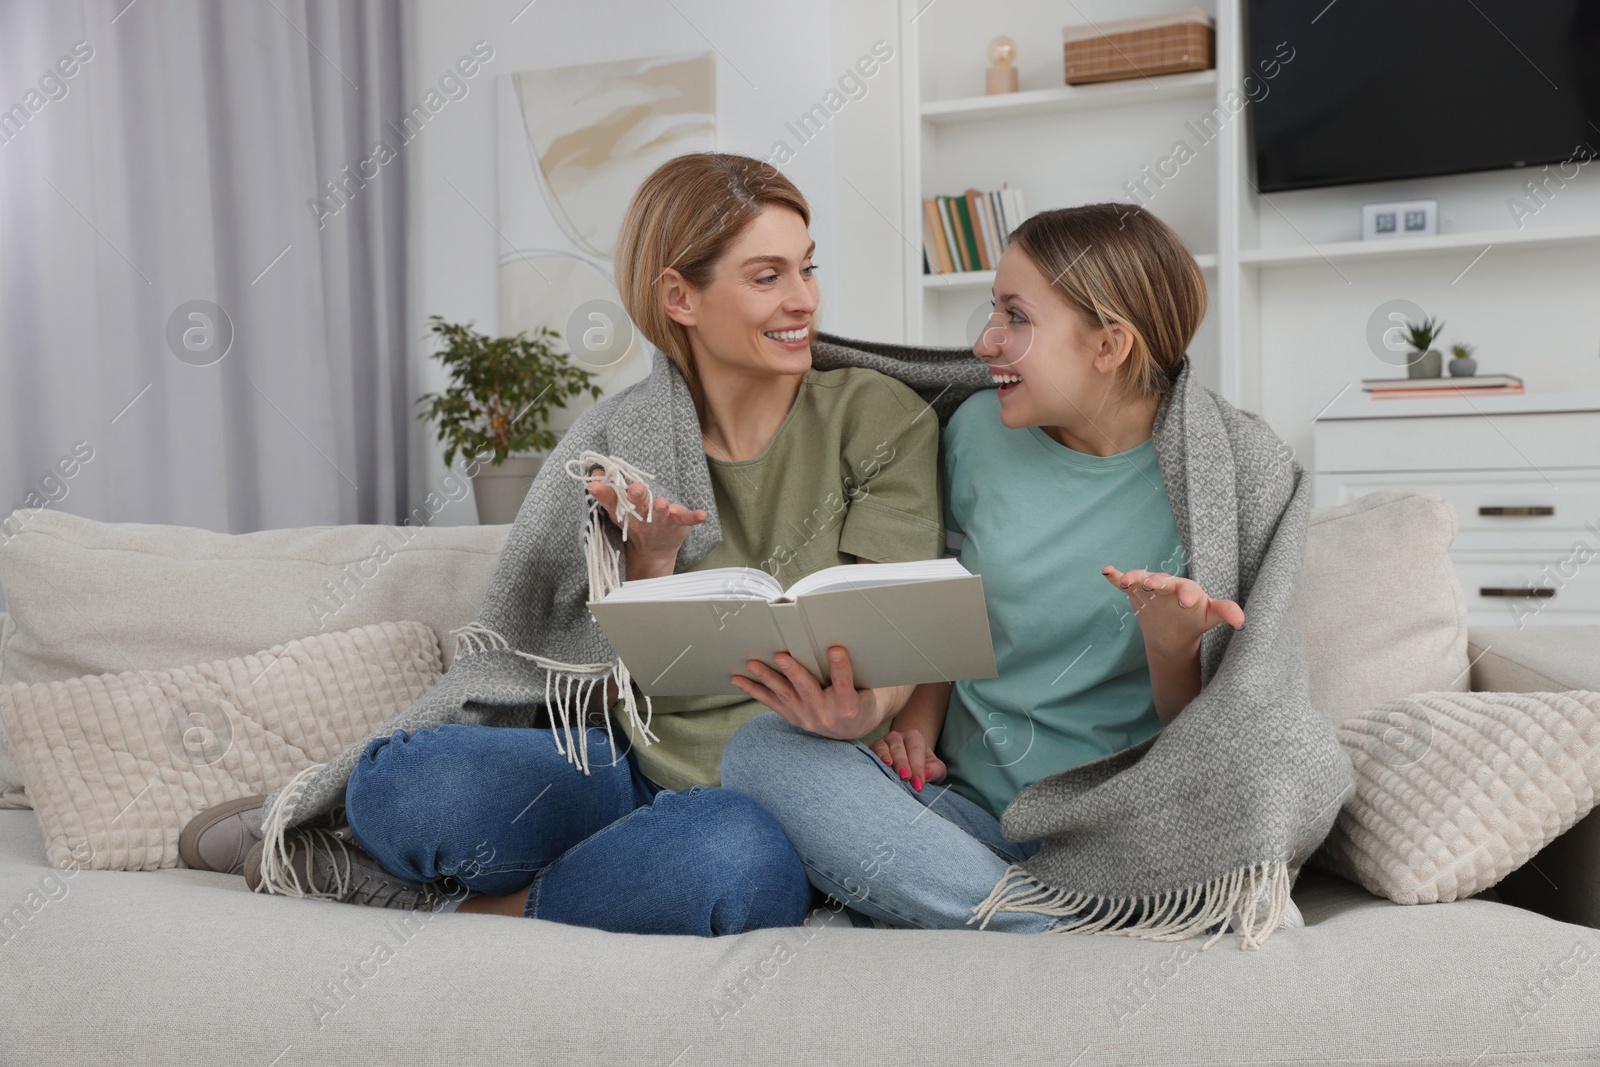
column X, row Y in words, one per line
column 1454, row 791
column 117, row 764
column 12, row 792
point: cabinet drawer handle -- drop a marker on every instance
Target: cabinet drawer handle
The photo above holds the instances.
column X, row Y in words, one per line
column 1506, row 590
column 1529, row 509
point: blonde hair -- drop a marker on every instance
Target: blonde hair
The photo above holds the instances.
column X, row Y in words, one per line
column 684, row 216
column 1120, row 264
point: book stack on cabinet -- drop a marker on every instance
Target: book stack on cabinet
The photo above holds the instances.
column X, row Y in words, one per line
column 1467, row 385
column 968, row 232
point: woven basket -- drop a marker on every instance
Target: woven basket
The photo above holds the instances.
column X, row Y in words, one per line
column 1136, row 48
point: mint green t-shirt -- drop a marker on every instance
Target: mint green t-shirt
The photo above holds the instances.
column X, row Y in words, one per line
column 1039, row 521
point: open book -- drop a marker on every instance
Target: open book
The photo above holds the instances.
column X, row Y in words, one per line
column 902, row 623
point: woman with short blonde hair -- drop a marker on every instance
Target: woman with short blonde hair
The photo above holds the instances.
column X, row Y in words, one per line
column 740, row 440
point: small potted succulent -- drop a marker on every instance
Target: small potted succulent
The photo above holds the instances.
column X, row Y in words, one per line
column 1462, row 365
column 498, row 404
column 1421, row 336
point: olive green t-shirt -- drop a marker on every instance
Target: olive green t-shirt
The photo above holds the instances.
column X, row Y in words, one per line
column 852, row 471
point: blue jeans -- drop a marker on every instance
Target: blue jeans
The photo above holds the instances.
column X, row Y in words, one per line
column 912, row 859
column 917, row 860
column 498, row 807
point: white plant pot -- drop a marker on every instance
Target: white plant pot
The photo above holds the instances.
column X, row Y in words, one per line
column 499, row 490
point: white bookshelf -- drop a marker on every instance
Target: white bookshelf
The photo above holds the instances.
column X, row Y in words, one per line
column 984, row 279
column 953, row 141
column 1196, row 86
column 1418, row 246
column 1291, row 285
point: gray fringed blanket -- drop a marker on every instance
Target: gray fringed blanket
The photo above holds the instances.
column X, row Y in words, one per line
column 1246, row 782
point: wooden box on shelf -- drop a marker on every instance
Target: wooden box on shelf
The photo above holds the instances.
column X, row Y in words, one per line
column 1135, row 48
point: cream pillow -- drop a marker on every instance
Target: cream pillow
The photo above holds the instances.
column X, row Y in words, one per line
column 88, row 597
column 1454, row 791
column 1379, row 603
column 117, row 764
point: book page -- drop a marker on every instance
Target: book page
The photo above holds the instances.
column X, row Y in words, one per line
column 719, row 583
column 864, row 575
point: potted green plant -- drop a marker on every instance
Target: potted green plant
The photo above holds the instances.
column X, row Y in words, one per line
column 1462, row 365
column 497, row 408
column 1421, row 336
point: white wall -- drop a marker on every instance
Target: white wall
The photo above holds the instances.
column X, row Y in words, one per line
column 867, row 264
column 774, row 64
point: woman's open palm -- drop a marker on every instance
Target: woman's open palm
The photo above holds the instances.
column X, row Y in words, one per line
column 664, row 531
column 1173, row 612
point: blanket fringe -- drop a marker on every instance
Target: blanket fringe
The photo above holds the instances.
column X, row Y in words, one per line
column 277, row 871
column 1230, row 896
column 570, row 686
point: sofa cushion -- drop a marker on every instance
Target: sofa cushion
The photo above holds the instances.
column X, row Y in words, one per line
column 1379, row 603
column 87, row 597
column 117, row 764
column 1454, row 791
column 182, row 965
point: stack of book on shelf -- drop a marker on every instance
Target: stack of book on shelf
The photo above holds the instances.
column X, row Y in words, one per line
column 1473, row 385
column 968, row 232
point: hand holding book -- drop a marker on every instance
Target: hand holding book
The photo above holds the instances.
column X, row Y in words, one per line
column 838, row 710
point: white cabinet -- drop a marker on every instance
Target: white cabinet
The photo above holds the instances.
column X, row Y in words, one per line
column 1522, row 471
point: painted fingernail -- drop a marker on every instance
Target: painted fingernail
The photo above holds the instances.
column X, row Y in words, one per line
column 916, row 783
column 889, row 760
column 905, row 773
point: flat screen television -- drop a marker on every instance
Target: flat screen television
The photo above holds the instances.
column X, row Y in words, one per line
column 1375, row 90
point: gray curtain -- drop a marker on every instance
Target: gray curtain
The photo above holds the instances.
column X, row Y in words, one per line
column 203, row 156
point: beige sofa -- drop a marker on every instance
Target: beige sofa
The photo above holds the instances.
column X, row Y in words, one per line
column 184, row 966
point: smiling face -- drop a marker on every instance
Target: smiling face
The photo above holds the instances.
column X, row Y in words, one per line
column 754, row 318
column 1056, row 369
